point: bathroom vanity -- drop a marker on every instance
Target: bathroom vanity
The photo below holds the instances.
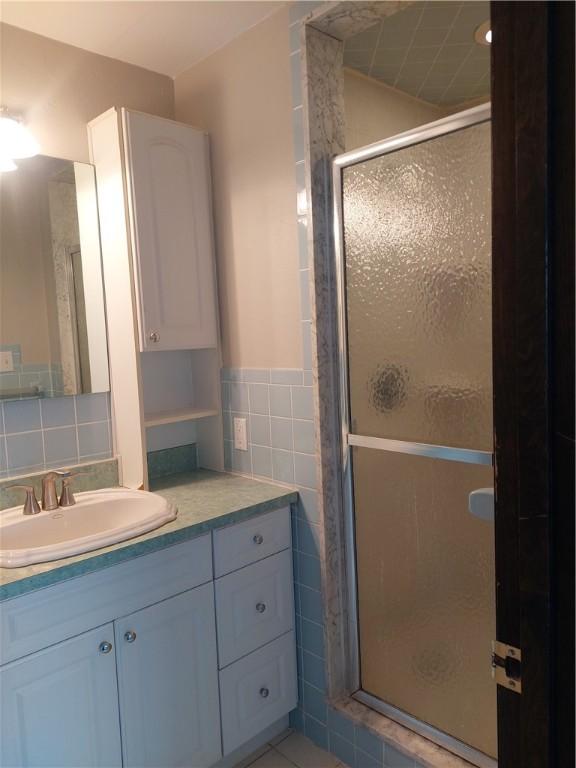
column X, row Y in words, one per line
column 176, row 648
column 173, row 649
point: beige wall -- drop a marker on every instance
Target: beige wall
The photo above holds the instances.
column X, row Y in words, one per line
column 25, row 284
column 242, row 96
column 60, row 88
column 375, row 111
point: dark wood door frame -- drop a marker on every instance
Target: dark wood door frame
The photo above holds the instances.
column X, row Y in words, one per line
column 533, row 289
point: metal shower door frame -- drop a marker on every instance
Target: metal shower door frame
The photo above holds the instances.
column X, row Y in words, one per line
column 451, row 124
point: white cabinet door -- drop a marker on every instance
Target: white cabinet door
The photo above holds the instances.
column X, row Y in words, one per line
column 170, row 211
column 60, row 706
column 168, row 683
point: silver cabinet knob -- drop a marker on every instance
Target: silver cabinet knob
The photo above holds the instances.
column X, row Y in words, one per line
column 258, row 538
column 264, row 692
column 130, row 636
column 105, row 647
column 260, row 607
column 154, row 336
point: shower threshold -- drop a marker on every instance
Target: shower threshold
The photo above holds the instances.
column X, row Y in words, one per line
column 440, row 738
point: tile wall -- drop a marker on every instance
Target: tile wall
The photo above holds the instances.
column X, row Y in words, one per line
column 278, row 407
column 41, row 433
column 41, row 378
column 354, row 745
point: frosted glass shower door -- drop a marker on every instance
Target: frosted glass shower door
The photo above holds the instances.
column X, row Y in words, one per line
column 416, row 306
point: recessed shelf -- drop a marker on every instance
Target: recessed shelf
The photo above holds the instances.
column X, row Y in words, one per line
column 179, row 414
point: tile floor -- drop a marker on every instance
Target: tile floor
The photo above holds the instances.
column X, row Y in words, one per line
column 291, row 750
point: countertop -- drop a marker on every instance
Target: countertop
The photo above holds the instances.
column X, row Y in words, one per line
column 205, row 500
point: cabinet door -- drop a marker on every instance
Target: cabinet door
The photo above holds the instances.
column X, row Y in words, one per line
column 168, row 683
column 171, row 218
column 60, row 706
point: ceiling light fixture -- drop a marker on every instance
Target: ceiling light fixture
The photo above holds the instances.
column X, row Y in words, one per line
column 483, row 34
column 16, row 141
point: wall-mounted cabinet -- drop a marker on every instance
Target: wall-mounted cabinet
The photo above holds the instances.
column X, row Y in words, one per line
column 168, row 174
column 155, row 213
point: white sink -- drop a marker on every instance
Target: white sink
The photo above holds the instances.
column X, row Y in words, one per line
column 98, row 519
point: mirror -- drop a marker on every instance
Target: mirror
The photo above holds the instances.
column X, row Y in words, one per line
column 52, row 319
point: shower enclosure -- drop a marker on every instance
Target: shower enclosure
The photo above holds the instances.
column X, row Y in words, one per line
column 413, row 242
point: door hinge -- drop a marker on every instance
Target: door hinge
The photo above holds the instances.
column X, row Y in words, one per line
column 507, row 666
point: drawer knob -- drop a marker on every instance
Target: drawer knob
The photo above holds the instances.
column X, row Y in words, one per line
column 264, row 692
column 258, row 538
column 105, row 647
column 260, row 607
column 154, row 336
column 130, row 636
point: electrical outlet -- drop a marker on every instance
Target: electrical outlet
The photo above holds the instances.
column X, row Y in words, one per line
column 240, row 437
column 6, row 361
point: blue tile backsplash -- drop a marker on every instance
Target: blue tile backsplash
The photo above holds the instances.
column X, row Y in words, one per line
column 38, row 434
column 26, row 379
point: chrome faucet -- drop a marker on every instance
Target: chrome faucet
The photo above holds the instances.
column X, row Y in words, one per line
column 49, row 492
column 67, row 497
column 50, row 499
column 31, row 506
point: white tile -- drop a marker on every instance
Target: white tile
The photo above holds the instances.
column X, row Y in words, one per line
column 303, row 753
column 272, row 759
column 281, row 736
column 251, row 759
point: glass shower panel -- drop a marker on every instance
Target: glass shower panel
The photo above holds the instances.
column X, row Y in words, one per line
column 425, row 579
column 417, row 274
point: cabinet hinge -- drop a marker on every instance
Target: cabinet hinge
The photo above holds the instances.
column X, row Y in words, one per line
column 507, row 666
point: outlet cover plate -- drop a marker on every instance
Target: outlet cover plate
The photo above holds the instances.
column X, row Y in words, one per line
column 240, row 436
column 6, row 361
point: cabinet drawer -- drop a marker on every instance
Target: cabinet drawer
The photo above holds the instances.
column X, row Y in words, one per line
column 243, row 543
column 258, row 690
column 41, row 618
column 253, row 606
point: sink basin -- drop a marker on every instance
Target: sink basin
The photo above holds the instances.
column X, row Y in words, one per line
column 98, row 519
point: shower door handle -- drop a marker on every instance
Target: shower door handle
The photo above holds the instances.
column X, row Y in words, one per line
column 481, row 503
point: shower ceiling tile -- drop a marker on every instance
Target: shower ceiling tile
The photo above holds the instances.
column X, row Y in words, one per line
column 430, row 36
column 389, row 57
column 427, row 50
column 366, row 40
column 437, row 14
column 415, row 54
column 360, row 59
column 455, row 53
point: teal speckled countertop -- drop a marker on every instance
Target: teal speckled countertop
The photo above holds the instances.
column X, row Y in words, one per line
column 205, row 500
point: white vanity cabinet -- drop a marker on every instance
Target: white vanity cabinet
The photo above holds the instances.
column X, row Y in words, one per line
column 169, row 205
column 255, row 620
column 59, row 707
column 168, row 682
column 122, row 667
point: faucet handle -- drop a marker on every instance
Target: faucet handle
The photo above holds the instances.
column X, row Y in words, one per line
column 31, row 506
column 49, row 494
column 67, row 497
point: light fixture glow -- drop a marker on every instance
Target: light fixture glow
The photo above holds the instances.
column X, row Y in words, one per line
column 16, row 141
column 6, row 164
column 483, row 34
